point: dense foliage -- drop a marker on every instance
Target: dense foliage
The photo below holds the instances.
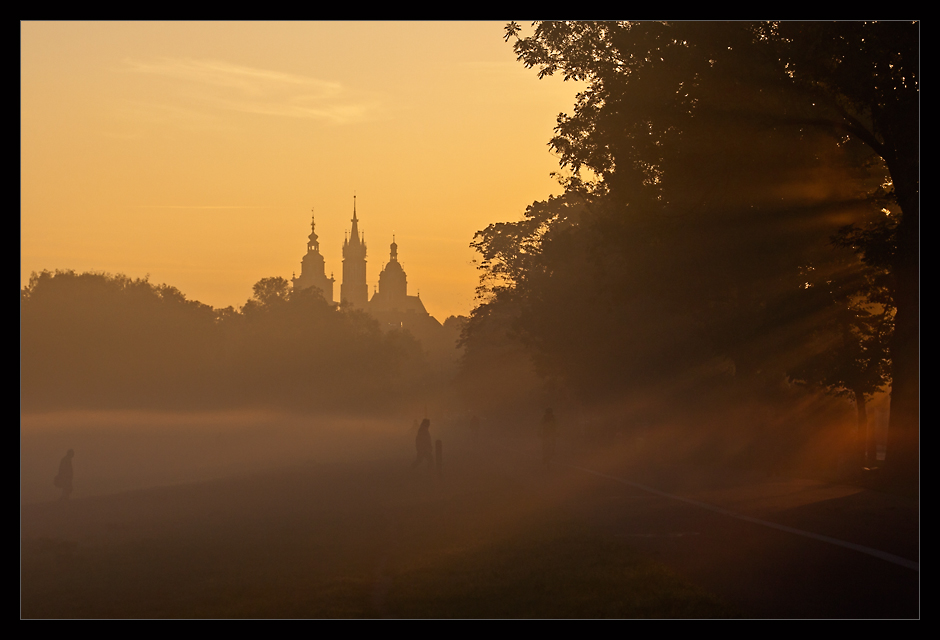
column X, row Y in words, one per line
column 706, row 167
column 95, row 340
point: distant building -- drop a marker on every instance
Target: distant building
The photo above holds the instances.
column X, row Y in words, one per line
column 390, row 304
column 391, row 295
column 354, row 289
column 313, row 268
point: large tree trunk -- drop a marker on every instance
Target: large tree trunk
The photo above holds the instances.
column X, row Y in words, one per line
column 861, row 431
column 903, row 452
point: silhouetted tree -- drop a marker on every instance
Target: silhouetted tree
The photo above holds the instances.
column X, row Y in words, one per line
column 688, row 148
column 267, row 293
column 95, row 339
column 296, row 349
column 850, row 358
column 103, row 341
column 865, row 80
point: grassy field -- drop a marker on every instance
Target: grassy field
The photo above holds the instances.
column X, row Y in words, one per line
column 364, row 540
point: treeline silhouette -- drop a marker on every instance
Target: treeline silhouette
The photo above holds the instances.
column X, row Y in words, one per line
column 95, row 340
column 731, row 239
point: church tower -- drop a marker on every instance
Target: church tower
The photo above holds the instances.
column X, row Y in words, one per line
column 354, row 288
column 393, row 283
column 391, row 304
column 313, row 267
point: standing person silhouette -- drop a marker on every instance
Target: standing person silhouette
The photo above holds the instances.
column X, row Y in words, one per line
column 423, row 444
column 548, row 431
column 64, row 479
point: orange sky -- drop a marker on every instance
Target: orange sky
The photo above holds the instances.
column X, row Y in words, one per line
column 194, row 152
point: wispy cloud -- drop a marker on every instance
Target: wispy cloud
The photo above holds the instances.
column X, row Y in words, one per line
column 222, row 85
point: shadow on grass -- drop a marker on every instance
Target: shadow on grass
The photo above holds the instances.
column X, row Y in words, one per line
column 564, row 571
column 343, row 542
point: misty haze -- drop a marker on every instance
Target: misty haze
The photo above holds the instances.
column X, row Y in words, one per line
column 313, row 326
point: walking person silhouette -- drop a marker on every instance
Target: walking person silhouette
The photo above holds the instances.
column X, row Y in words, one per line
column 423, row 444
column 64, row 478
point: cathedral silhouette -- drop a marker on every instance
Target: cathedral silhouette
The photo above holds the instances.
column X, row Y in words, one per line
column 390, row 304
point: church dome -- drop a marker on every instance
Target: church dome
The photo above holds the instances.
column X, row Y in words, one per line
column 393, row 283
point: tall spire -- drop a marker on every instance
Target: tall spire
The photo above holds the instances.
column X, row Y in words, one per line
column 354, row 288
column 354, row 232
column 314, row 242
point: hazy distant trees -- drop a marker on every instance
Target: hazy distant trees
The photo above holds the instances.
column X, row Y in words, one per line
column 89, row 338
column 97, row 340
column 294, row 347
column 700, row 186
